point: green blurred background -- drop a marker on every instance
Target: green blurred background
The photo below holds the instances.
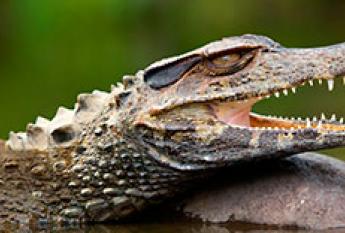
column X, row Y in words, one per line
column 52, row 50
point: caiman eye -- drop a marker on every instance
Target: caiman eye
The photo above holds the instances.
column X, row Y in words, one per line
column 226, row 60
column 231, row 62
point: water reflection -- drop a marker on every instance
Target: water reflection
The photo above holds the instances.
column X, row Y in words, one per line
column 191, row 228
column 172, row 227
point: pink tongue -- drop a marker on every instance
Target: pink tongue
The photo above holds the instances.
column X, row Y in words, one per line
column 234, row 113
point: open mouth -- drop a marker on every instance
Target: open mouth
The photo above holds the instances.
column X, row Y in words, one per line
column 239, row 114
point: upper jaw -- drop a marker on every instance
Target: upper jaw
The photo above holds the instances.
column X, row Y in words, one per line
column 278, row 73
column 238, row 114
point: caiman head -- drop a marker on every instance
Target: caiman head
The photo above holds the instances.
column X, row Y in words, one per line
column 196, row 109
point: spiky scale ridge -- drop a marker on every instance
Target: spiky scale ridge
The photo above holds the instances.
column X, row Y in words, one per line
column 37, row 136
column 63, row 129
column 88, row 105
column 41, row 121
column 16, row 141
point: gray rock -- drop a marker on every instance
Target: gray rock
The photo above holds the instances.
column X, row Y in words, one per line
column 306, row 190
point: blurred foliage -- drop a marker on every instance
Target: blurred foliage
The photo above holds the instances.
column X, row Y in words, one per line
column 52, row 50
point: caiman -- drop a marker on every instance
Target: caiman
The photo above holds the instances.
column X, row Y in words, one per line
column 162, row 130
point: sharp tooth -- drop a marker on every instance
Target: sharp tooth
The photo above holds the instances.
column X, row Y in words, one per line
column 320, row 81
column 299, row 118
column 308, row 122
column 341, row 120
column 315, row 118
column 311, row 83
column 293, row 90
column 267, row 96
column 333, row 118
column 285, row 91
column 323, row 117
column 277, row 94
column 319, row 125
column 330, row 83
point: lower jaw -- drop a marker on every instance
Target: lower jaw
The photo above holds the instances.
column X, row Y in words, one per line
column 263, row 122
column 238, row 114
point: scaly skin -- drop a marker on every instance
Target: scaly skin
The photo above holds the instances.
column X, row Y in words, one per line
column 177, row 121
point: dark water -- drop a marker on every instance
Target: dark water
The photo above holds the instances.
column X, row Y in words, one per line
column 163, row 222
column 174, row 227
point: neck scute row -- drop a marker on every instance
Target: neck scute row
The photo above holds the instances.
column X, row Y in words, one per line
column 63, row 129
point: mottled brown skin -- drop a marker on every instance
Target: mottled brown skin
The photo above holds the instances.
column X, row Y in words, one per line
column 159, row 133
